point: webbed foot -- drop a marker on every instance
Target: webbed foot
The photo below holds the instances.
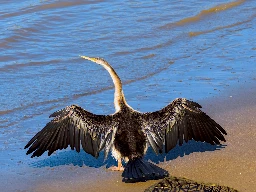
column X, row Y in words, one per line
column 119, row 166
column 116, row 168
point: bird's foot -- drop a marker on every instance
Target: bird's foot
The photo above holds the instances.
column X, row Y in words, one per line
column 116, row 168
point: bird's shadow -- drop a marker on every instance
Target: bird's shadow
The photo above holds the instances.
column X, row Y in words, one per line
column 180, row 151
column 69, row 157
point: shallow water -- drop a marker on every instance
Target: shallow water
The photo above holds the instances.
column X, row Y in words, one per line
column 192, row 49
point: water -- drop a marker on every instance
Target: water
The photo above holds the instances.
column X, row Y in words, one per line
column 192, row 49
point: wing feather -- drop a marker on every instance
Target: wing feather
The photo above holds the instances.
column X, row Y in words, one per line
column 66, row 138
column 72, row 126
column 190, row 130
column 204, row 133
column 77, row 139
column 88, row 144
column 194, row 129
column 152, row 143
column 71, row 137
column 216, row 132
column 108, row 144
column 173, row 136
column 181, row 132
column 181, row 120
column 82, row 138
column 185, row 128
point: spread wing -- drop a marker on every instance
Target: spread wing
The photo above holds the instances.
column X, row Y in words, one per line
column 180, row 120
column 73, row 126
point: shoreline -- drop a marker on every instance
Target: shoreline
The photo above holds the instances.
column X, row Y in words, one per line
column 233, row 164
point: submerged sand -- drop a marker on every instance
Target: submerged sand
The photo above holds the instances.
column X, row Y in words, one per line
column 232, row 164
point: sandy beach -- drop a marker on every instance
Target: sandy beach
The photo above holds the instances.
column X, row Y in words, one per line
column 233, row 164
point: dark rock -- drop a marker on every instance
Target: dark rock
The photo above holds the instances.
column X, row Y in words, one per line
column 173, row 184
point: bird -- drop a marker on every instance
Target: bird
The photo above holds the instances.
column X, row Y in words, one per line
column 127, row 133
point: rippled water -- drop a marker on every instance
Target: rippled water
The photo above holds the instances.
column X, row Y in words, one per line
column 161, row 50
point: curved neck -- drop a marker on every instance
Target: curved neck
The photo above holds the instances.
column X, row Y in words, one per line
column 119, row 99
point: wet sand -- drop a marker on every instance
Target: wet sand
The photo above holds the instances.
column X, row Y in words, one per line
column 232, row 164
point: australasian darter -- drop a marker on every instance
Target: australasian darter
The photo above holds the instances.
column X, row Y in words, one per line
column 127, row 132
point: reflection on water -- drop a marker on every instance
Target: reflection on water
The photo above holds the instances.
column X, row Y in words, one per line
column 192, row 49
column 204, row 13
column 250, row 19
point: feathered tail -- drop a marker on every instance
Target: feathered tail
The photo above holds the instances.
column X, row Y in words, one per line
column 138, row 170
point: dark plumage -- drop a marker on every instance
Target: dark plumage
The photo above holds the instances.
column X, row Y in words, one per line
column 127, row 132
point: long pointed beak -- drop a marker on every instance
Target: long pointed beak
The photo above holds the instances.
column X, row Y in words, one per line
column 88, row 58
